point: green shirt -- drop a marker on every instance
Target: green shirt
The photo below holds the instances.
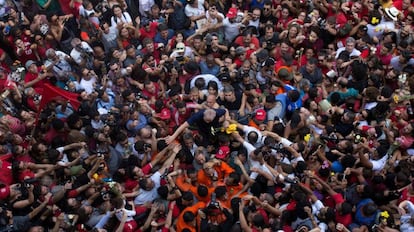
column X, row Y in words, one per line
column 54, row 6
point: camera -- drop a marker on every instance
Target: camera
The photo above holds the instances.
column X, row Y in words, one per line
column 357, row 138
column 269, row 45
column 290, row 180
column 37, row 98
column 329, row 138
column 5, row 17
column 140, row 96
column 101, row 167
column 213, row 203
column 30, row 181
column 147, row 146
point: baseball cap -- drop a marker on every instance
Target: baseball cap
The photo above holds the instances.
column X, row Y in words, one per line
column 4, row 192
column 223, row 152
column 180, row 47
column 165, row 114
column 232, row 13
column 260, row 115
column 29, row 63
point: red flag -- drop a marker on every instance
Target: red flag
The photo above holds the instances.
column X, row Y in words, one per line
column 51, row 92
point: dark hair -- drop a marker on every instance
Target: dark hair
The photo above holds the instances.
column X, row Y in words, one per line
column 346, row 208
column 143, row 183
column 258, row 220
column 163, row 191
column 188, row 216
column 252, row 137
column 220, row 191
column 162, row 27
column 188, row 196
column 202, row 191
column 212, row 84
column 235, row 176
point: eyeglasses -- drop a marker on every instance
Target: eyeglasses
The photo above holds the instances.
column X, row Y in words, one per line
column 266, row 8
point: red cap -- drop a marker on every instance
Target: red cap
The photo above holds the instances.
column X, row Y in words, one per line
column 232, row 13
column 4, row 192
column 165, row 114
column 260, row 115
column 222, row 152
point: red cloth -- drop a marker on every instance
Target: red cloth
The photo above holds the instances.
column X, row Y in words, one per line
column 32, row 76
column 6, row 176
column 51, row 92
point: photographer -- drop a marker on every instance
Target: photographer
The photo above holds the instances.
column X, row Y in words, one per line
column 270, row 38
column 215, row 214
column 82, row 53
column 21, row 222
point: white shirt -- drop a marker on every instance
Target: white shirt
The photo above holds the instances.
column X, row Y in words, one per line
column 109, row 39
column 145, row 6
column 151, row 195
column 64, row 160
column 253, row 163
column 125, row 18
column 213, row 20
column 130, row 214
column 231, row 30
column 62, row 67
column 188, row 52
column 379, row 29
column 76, row 55
column 354, row 52
column 248, row 129
column 88, row 85
column 207, row 78
column 195, row 11
column 378, row 165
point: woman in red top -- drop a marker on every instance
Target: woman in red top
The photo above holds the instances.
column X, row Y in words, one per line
column 127, row 35
column 283, row 18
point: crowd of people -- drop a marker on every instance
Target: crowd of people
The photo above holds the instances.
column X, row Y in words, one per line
column 207, row 115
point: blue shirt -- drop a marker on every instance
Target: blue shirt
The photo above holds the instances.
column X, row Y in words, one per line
column 206, row 70
column 159, row 39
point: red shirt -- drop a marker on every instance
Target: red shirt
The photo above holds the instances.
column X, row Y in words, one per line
column 156, row 53
column 27, row 54
column 148, row 34
column 6, row 176
column 255, row 41
column 385, row 59
column 152, row 94
column 32, row 76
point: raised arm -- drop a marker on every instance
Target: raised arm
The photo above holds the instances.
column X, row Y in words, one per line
column 38, row 209
column 243, row 222
column 325, row 185
column 180, row 130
